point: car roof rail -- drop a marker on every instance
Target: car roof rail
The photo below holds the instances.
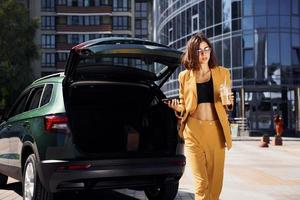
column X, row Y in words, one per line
column 49, row 76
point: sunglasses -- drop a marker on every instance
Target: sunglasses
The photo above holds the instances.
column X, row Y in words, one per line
column 206, row 50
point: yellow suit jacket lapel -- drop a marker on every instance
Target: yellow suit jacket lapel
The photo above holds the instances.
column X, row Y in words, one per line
column 192, row 83
column 215, row 80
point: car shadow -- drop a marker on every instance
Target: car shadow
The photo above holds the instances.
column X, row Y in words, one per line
column 87, row 195
column 16, row 187
column 95, row 195
column 122, row 194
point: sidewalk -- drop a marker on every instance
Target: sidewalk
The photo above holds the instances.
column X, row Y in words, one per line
column 251, row 172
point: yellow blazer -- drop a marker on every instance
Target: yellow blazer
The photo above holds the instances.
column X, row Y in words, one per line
column 188, row 98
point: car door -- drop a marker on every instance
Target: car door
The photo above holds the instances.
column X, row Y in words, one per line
column 7, row 129
column 4, row 147
column 21, row 126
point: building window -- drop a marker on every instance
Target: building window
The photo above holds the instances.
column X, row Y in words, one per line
column 189, row 18
column 285, row 7
column 248, row 57
column 48, row 22
column 47, row 5
column 285, row 22
column 48, row 59
column 141, row 9
column 195, row 22
column 121, row 5
column 295, row 7
column 226, row 15
column 79, row 38
column 61, row 2
column 209, row 13
column 285, row 49
column 121, row 23
column 141, row 28
column 247, row 23
column 273, row 7
column 72, row 3
column 260, row 22
column 62, row 57
column 73, row 39
column 260, row 7
column 94, row 36
column 236, row 51
column 227, row 52
column 218, row 11
column 48, row 41
column 105, row 2
column 248, row 73
column 247, row 7
column 84, row 20
column 273, row 21
column 88, row 3
column 218, row 49
column 236, row 9
column 273, row 49
column 296, row 56
column 141, row 22
column 170, row 35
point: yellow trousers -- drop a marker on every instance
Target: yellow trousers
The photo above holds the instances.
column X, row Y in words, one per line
column 205, row 153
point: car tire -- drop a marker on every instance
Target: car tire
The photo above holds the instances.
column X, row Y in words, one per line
column 3, row 180
column 32, row 187
column 163, row 192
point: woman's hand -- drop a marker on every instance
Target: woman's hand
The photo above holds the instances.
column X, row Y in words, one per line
column 173, row 103
column 231, row 98
column 230, row 106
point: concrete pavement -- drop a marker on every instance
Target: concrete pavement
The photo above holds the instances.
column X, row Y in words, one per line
column 251, row 172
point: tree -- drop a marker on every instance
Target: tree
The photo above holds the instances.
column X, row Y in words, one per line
column 17, row 49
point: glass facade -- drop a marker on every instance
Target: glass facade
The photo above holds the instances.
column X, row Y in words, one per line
column 258, row 40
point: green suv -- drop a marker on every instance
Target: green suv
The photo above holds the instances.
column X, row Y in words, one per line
column 100, row 124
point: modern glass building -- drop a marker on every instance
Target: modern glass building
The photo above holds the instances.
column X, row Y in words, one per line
column 258, row 40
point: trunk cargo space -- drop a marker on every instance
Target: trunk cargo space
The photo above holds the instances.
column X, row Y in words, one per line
column 121, row 120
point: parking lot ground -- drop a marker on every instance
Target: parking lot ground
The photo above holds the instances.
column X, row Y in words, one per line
column 251, row 172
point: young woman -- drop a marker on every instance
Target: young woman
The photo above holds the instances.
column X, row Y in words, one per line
column 204, row 123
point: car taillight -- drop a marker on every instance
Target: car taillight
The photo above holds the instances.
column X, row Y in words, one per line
column 74, row 167
column 56, row 123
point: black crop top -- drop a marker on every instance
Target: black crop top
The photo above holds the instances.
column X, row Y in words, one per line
column 205, row 92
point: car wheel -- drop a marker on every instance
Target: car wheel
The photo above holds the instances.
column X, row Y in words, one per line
column 3, row 180
column 164, row 192
column 32, row 187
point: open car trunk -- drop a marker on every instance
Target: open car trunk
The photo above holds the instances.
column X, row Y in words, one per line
column 120, row 119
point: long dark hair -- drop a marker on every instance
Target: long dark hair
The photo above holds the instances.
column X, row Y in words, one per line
column 190, row 57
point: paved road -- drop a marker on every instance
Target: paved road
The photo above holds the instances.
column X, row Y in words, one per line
column 251, row 172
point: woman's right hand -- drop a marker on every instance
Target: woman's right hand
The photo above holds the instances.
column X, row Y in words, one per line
column 173, row 103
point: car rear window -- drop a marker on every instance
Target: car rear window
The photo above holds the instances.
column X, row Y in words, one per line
column 35, row 98
column 146, row 64
column 47, row 94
